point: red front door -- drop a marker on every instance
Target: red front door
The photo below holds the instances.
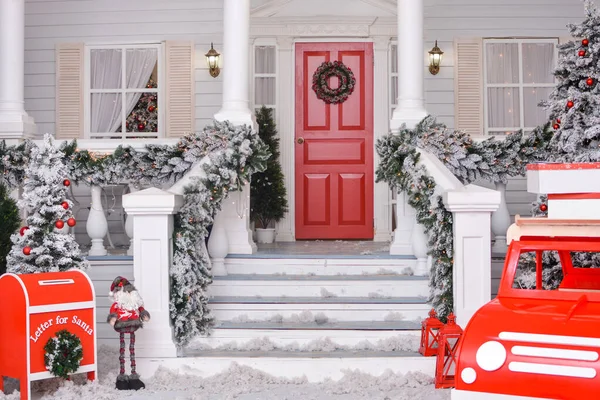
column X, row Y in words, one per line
column 334, row 147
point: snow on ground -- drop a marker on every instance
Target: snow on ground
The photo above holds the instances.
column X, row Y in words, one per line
column 238, row 382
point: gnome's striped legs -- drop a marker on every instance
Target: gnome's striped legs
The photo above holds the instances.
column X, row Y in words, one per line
column 122, row 353
column 132, row 354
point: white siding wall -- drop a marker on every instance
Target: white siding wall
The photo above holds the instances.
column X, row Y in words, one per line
column 95, row 22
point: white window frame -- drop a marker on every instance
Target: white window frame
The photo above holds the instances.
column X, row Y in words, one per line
column 160, row 90
column 392, row 102
column 264, row 42
column 499, row 131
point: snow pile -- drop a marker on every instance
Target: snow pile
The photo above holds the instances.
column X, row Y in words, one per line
column 305, row 317
column 238, row 382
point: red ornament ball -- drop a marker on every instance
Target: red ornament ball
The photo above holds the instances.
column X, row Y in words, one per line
column 27, row 250
column 59, row 224
column 570, row 104
column 585, row 42
column 141, row 127
column 65, row 205
column 23, row 229
column 151, row 108
column 71, row 222
column 67, row 182
column 558, row 120
column 581, row 53
column 556, row 126
column 543, row 207
column 589, row 81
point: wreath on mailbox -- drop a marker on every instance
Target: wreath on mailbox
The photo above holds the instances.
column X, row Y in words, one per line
column 321, row 86
column 63, row 354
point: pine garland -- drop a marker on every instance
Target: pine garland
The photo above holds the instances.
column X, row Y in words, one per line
column 234, row 153
column 493, row 160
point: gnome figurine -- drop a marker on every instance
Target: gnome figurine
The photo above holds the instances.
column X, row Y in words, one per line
column 127, row 315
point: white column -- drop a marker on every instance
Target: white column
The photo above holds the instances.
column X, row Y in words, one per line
column 382, row 208
column 129, row 222
column 471, row 275
column 411, row 108
column 500, row 221
column 285, row 122
column 14, row 121
column 152, row 210
column 96, row 225
column 236, row 35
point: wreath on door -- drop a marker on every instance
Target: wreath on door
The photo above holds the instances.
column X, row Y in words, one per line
column 320, row 84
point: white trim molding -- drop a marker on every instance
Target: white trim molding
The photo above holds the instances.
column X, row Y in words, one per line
column 61, row 307
column 323, row 27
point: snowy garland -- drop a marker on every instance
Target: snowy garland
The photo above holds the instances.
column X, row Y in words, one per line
column 234, row 153
column 63, row 354
column 492, row 160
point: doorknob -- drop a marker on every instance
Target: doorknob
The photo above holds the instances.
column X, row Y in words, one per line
column 300, row 140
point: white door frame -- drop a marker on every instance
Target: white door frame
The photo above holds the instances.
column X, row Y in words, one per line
column 287, row 32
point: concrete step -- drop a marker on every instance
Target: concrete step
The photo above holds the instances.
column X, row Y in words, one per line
column 319, row 265
column 241, row 309
column 320, row 286
column 316, row 366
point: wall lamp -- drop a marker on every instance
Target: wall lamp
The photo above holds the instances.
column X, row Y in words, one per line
column 212, row 60
column 435, row 59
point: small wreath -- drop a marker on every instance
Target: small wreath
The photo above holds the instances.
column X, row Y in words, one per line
column 63, row 354
column 321, row 86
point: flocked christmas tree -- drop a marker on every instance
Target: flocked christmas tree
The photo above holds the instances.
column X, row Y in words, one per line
column 44, row 244
column 574, row 104
column 268, row 202
column 144, row 117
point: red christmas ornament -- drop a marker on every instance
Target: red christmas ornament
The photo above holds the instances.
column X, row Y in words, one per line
column 59, row 224
column 141, row 127
column 570, row 104
column 151, row 108
column 27, row 250
column 67, row 182
column 585, row 42
column 558, row 120
column 581, row 53
column 71, row 222
column 589, row 81
column 556, row 126
column 23, row 229
column 543, row 207
column 65, row 205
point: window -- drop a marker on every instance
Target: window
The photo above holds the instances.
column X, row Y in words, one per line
column 265, row 77
column 393, row 77
column 123, row 91
column 517, row 75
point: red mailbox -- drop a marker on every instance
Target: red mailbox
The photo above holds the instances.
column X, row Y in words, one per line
column 33, row 307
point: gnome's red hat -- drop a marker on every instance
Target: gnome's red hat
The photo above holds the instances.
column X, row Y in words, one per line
column 118, row 282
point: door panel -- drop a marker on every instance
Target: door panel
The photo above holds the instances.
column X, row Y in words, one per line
column 334, row 147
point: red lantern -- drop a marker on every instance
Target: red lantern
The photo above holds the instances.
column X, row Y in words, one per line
column 448, row 341
column 71, row 222
column 429, row 334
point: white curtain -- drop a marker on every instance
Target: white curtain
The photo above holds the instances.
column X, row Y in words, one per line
column 106, row 70
column 140, row 64
column 264, row 86
column 502, row 67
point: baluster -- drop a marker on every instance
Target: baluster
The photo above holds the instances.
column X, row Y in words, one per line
column 500, row 221
column 97, row 225
column 218, row 246
column 419, row 248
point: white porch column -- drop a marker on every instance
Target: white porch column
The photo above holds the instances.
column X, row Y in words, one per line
column 285, row 122
column 152, row 211
column 471, row 212
column 235, row 109
column 382, row 208
column 411, row 108
column 14, row 121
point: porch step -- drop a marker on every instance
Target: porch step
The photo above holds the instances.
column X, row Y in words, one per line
column 228, row 308
column 260, row 264
column 371, row 286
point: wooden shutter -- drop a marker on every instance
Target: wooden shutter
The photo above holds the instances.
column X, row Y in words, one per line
column 180, row 88
column 468, row 85
column 69, row 91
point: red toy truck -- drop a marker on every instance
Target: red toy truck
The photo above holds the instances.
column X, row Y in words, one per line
column 536, row 343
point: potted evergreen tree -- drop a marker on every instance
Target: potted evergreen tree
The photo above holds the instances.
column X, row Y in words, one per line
column 268, row 201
